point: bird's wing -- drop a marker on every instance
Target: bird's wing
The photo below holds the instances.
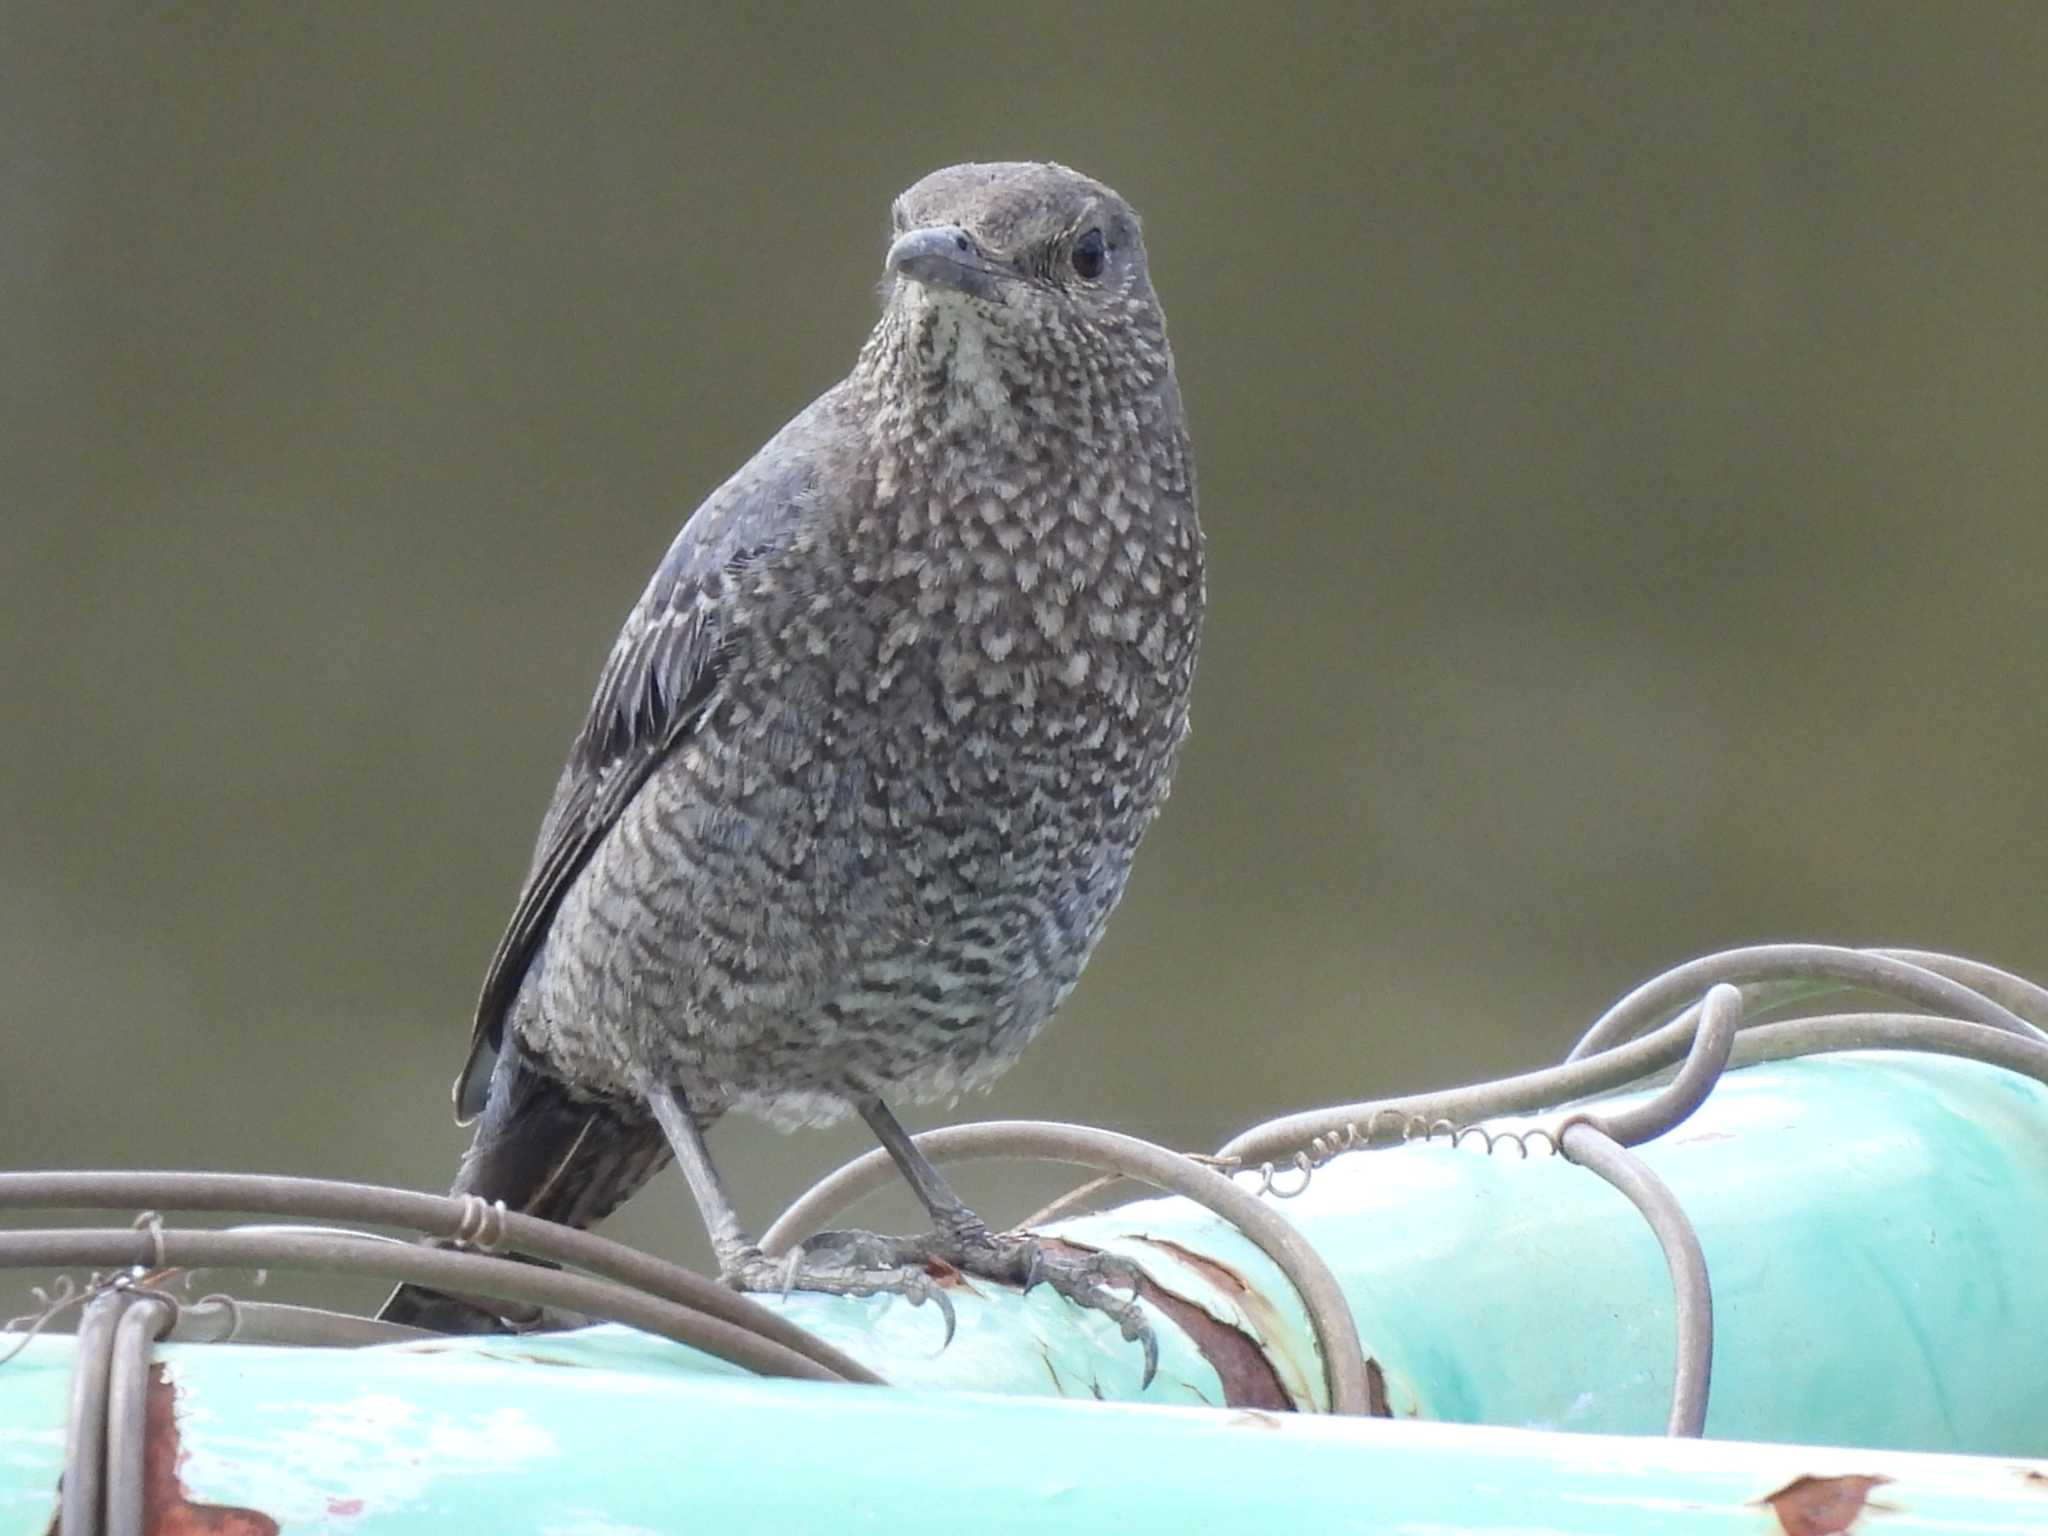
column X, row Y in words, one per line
column 663, row 672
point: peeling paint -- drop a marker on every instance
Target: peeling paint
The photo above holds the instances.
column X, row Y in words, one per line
column 168, row 1509
column 1377, row 1403
column 1822, row 1506
column 1248, row 1377
column 1273, row 1334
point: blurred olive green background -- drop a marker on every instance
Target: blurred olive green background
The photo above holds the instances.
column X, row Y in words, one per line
column 1622, row 446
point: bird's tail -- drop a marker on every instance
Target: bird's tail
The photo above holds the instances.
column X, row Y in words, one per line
column 546, row 1152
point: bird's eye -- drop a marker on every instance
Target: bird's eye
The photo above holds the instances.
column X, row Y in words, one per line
column 1090, row 254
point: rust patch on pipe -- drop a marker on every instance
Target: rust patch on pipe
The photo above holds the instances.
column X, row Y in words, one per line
column 1377, row 1404
column 1269, row 1322
column 1822, row 1506
column 1218, row 1274
column 1248, row 1298
column 1248, row 1377
column 167, row 1509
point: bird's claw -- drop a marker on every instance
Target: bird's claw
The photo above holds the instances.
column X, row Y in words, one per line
column 924, row 1291
column 1092, row 1282
column 871, row 1264
column 1137, row 1331
column 844, row 1264
column 1089, row 1280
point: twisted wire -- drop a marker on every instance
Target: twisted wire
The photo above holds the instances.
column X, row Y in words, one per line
column 439, row 1269
column 1629, row 1061
column 437, row 1216
column 56, row 1300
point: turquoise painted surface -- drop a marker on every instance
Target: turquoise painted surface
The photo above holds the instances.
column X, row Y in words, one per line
column 34, row 1387
column 393, row 1442
column 1877, row 1228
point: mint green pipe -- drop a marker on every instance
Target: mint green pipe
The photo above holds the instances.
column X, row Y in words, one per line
column 406, row 1442
column 1876, row 1226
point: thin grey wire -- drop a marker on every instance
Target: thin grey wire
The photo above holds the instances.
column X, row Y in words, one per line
column 1693, row 1299
column 1871, row 970
column 147, row 1318
column 437, row 1215
column 1601, row 1142
column 85, row 1434
column 438, row 1268
column 2016, row 993
column 1614, row 1068
column 1719, row 1015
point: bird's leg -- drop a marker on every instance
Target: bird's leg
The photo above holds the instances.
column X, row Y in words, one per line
column 742, row 1265
column 866, row 1263
column 679, row 1123
column 955, row 1220
column 964, row 1241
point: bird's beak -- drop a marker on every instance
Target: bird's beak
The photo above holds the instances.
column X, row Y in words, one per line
column 946, row 256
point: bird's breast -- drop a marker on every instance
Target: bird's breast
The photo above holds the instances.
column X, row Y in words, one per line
column 1001, row 651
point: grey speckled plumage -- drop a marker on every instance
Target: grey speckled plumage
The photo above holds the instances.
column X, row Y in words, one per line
column 868, row 765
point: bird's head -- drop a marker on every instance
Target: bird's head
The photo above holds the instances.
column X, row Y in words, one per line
column 1020, row 250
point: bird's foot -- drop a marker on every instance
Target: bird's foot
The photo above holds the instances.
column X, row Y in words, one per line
column 1087, row 1279
column 869, row 1263
column 843, row 1264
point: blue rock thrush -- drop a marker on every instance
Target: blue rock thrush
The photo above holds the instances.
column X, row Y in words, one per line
column 868, row 765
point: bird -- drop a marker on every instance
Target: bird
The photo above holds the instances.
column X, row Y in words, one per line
column 867, row 767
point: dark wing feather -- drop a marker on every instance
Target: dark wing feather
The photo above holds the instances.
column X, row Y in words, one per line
column 663, row 672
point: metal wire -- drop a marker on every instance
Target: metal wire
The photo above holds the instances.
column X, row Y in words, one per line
column 1829, row 1033
column 1348, row 1127
column 1088, row 1147
column 440, row 1269
column 1585, row 1143
column 1601, row 1142
column 2017, row 993
column 1323, row 1133
column 61, row 1297
column 1870, row 970
column 436, row 1215
column 1719, row 1014
column 85, row 1432
column 148, row 1317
